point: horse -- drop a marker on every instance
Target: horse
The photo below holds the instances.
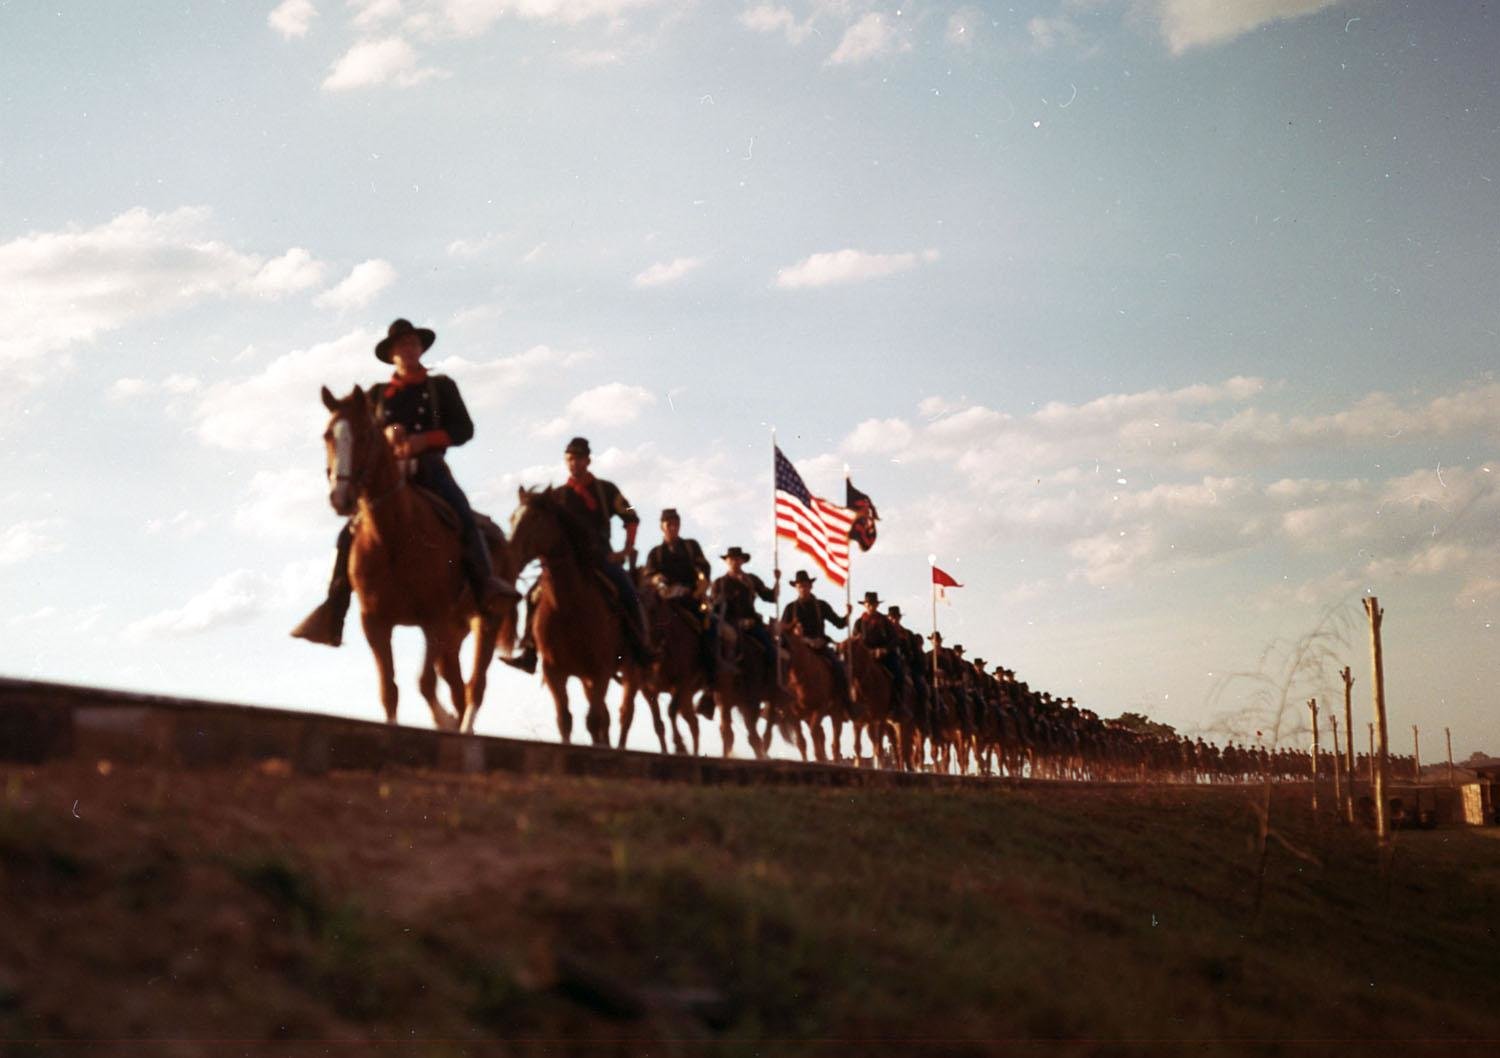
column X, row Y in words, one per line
column 814, row 695
column 874, row 689
column 405, row 566
column 677, row 671
column 574, row 622
column 745, row 679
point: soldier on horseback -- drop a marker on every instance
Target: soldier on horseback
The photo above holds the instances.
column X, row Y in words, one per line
column 423, row 416
column 883, row 639
column 732, row 598
column 807, row 614
column 677, row 571
column 594, row 502
column 909, row 646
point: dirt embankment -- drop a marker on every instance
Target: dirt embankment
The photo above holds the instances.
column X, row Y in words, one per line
column 250, row 912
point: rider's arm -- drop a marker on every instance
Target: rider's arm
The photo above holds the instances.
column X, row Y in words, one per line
column 455, row 426
column 835, row 619
column 620, row 507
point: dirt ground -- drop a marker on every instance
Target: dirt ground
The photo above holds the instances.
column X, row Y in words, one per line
column 254, row 911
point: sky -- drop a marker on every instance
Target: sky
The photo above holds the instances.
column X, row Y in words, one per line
column 1168, row 326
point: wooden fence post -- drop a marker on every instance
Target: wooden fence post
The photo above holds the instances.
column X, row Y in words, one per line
column 1349, row 744
column 1312, row 705
column 1338, row 786
column 1448, row 734
column 1383, row 767
column 1416, row 756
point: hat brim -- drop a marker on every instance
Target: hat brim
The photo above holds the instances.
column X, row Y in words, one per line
column 383, row 347
column 741, row 555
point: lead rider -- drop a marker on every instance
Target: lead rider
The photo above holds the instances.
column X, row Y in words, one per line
column 423, row 416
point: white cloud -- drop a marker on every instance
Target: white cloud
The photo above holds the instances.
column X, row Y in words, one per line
column 1189, row 24
column 768, row 18
column 873, row 36
column 22, row 541
column 294, row 271
column 232, row 599
column 612, row 404
column 374, row 62
column 468, row 248
column 59, row 290
column 848, row 266
column 490, row 383
column 287, row 504
column 279, row 404
column 182, row 525
column 360, row 287
column 292, row 18
column 176, row 385
column 1048, row 33
column 962, row 26
column 666, row 272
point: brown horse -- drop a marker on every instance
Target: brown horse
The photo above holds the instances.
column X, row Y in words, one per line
column 746, row 679
column 574, row 622
column 677, row 672
column 814, row 695
column 404, row 564
column 874, row 690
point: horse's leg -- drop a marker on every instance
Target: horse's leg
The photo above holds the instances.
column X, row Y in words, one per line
column 557, row 683
column 627, row 712
column 598, row 711
column 433, row 650
column 452, row 671
column 836, row 743
column 726, row 726
column 820, row 748
column 673, row 708
column 486, row 631
column 378, row 635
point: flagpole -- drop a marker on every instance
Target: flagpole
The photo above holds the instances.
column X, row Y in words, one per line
column 775, row 567
column 848, row 573
column 931, row 563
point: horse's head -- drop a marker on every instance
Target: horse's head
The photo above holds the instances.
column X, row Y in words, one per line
column 353, row 443
column 531, row 526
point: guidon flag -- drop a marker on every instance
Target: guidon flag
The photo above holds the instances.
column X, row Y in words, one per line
column 942, row 581
column 862, row 531
column 817, row 527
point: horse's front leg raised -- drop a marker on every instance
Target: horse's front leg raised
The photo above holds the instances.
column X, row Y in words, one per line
column 378, row 635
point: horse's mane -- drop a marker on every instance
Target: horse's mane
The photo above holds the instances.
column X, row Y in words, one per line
column 580, row 540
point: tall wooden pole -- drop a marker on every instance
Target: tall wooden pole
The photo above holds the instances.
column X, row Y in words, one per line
column 1383, row 767
column 931, row 563
column 775, row 565
column 1349, row 744
column 1370, row 760
column 1338, row 759
column 1449, row 735
column 1416, row 755
column 1312, row 705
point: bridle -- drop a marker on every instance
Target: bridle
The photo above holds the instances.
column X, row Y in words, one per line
column 356, row 482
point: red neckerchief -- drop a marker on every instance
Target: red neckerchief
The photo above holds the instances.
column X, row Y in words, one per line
column 584, row 487
column 399, row 382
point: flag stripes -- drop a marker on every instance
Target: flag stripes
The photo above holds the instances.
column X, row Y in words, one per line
column 818, row 528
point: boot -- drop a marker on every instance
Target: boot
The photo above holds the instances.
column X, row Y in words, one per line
column 325, row 625
column 526, row 659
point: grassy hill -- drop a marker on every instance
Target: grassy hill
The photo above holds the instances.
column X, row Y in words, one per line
column 439, row 912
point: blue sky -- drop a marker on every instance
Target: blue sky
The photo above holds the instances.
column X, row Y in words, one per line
column 1166, row 324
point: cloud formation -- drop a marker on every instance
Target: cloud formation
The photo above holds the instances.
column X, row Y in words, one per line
column 665, row 272
column 360, row 287
column 375, row 62
column 612, row 404
column 292, row 18
column 875, row 35
column 1187, row 24
column 848, row 266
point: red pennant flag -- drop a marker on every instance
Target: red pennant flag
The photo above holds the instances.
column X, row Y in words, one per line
column 943, row 580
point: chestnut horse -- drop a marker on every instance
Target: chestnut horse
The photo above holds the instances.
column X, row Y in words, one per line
column 873, row 688
column 676, row 672
column 814, row 695
column 405, row 566
column 574, row 622
column 746, row 678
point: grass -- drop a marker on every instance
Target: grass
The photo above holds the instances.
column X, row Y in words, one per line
column 385, row 907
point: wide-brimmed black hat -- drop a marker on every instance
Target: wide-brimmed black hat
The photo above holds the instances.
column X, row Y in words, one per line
column 802, row 578
column 893, row 611
column 579, row 445
column 871, row 599
column 958, row 648
column 399, row 329
column 669, row 514
column 736, row 552
column 980, row 663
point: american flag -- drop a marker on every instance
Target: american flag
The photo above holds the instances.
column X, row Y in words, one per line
column 816, row 526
